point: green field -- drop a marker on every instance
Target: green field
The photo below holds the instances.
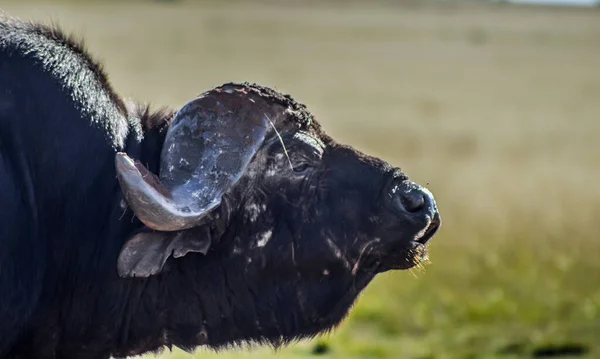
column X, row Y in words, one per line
column 497, row 108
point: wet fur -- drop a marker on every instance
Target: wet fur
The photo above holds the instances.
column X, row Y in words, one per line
column 60, row 296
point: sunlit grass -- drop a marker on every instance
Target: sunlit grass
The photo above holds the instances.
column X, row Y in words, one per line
column 496, row 108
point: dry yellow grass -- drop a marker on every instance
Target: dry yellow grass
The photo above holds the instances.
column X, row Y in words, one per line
column 496, row 107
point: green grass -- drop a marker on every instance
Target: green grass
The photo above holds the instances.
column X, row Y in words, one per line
column 497, row 108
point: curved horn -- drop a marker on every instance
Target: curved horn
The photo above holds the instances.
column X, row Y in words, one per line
column 207, row 148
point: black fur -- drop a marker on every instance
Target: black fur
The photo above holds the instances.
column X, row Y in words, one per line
column 291, row 248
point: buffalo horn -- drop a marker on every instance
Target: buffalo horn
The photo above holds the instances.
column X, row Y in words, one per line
column 207, row 148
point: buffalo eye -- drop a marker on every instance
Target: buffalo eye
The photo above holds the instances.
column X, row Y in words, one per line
column 304, row 159
column 301, row 167
column 299, row 152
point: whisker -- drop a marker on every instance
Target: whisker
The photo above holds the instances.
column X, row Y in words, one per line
column 411, row 271
column 280, row 140
column 360, row 256
column 123, row 214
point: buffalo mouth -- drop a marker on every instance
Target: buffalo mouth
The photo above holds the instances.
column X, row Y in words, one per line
column 414, row 252
column 423, row 237
column 418, row 253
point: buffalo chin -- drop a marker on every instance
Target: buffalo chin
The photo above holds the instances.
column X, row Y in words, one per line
column 412, row 255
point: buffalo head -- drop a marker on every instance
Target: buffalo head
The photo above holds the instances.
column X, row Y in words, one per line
column 248, row 176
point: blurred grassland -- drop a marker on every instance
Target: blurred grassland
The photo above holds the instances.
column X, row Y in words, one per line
column 497, row 108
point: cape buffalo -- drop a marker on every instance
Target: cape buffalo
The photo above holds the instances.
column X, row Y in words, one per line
column 233, row 220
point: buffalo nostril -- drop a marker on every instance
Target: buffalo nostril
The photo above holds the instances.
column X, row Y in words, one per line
column 412, row 200
column 408, row 196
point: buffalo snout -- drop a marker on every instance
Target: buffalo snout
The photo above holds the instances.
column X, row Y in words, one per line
column 410, row 218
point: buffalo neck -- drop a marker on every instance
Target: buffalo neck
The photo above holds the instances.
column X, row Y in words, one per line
column 206, row 301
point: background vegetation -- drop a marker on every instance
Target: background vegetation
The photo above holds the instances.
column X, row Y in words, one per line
column 496, row 107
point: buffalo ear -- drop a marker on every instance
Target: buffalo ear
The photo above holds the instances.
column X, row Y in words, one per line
column 146, row 253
